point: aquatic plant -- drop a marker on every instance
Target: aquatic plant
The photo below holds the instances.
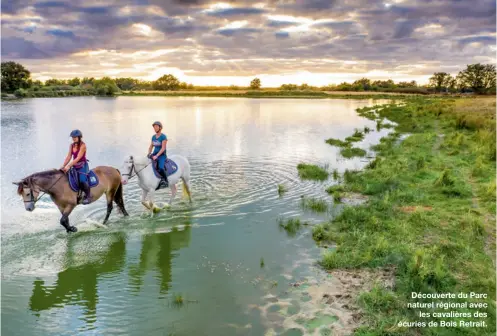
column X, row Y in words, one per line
column 312, row 172
column 336, row 142
column 350, row 152
column 281, row 189
column 314, row 204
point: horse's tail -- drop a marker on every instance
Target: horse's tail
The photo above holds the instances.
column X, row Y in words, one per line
column 118, row 196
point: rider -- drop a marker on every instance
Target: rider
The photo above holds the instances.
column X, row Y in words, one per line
column 78, row 152
column 158, row 144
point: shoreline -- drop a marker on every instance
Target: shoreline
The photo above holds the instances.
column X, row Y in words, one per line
column 243, row 94
column 430, row 195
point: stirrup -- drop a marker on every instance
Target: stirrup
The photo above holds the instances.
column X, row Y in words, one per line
column 86, row 200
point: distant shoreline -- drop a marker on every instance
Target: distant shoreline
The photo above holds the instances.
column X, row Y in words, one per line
column 264, row 93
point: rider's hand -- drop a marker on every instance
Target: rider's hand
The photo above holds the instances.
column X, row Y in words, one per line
column 154, row 157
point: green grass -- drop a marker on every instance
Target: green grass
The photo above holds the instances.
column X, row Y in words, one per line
column 442, row 245
column 357, row 136
column 314, row 204
column 349, row 152
column 312, row 172
column 337, row 142
column 178, row 300
column 291, row 226
column 336, row 175
column 281, row 189
column 262, row 263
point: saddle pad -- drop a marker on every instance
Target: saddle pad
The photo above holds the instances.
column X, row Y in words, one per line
column 74, row 179
column 171, row 168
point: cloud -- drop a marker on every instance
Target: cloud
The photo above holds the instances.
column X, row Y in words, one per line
column 236, row 11
column 61, row 33
column 249, row 37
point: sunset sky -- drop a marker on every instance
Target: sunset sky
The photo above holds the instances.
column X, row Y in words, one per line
column 221, row 43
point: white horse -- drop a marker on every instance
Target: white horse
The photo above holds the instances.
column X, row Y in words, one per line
column 141, row 167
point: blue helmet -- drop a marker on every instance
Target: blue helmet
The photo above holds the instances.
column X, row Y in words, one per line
column 76, row 133
column 158, row 123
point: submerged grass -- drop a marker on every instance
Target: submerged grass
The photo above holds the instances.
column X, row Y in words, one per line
column 336, row 142
column 312, row 172
column 281, row 189
column 314, row 204
column 357, row 136
column 349, row 152
column 291, row 226
column 431, row 213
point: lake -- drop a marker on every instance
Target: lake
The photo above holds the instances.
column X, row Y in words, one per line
column 221, row 266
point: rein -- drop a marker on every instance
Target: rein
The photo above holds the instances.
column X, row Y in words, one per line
column 130, row 174
column 39, row 196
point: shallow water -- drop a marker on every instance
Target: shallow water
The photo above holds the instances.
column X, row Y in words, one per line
column 127, row 278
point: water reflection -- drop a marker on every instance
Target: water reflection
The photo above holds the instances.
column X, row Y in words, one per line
column 157, row 252
column 78, row 284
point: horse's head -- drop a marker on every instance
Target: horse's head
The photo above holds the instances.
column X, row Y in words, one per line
column 127, row 169
column 29, row 193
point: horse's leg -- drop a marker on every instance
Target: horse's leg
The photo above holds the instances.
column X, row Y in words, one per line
column 118, row 198
column 64, row 221
column 152, row 205
column 186, row 184
column 144, row 199
column 173, row 194
column 110, row 199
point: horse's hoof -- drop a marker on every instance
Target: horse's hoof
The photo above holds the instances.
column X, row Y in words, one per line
column 72, row 229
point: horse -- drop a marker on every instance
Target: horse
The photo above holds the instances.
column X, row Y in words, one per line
column 148, row 180
column 56, row 183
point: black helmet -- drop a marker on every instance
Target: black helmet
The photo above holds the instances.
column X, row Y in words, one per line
column 76, row 133
column 158, row 123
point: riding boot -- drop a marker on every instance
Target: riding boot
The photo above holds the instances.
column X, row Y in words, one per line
column 164, row 176
column 86, row 189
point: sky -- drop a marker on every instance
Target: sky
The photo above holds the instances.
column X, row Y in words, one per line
column 202, row 42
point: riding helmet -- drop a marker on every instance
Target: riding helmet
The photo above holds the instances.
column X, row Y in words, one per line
column 76, row 133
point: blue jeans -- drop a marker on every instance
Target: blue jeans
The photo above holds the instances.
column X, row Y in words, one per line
column 161, row 162
column 83, row 173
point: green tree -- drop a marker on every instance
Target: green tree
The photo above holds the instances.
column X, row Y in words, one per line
column 126, row 83
column 362, row 84
column 14, row 76
column 55, row 82
column 166, row 82
column 105, row 87
column 479, row 77
column 87, row 80
column 288, row 87
column 74, row 82
column 440, row 80
column 255, row 84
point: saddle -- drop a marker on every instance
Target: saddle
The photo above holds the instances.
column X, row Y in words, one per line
column 73, row 177
column 170, row 166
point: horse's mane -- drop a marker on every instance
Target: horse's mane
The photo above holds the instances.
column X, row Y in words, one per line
column 29, row 180
column 139, row 159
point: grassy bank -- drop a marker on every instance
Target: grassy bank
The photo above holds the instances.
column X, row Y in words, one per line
column 431, row 214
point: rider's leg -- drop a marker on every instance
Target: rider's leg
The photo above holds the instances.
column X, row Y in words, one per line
column 85, row 186
column 161, row 167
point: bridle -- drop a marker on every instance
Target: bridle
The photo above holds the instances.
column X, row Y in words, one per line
column 130, row 173
column 31, row 195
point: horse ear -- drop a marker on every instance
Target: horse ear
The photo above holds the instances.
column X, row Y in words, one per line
column 131, row 157
column 16, row 183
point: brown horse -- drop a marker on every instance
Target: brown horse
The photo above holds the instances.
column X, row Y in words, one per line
column 56, row 184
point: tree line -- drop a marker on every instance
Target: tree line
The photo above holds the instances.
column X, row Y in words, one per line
column 476, row 78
